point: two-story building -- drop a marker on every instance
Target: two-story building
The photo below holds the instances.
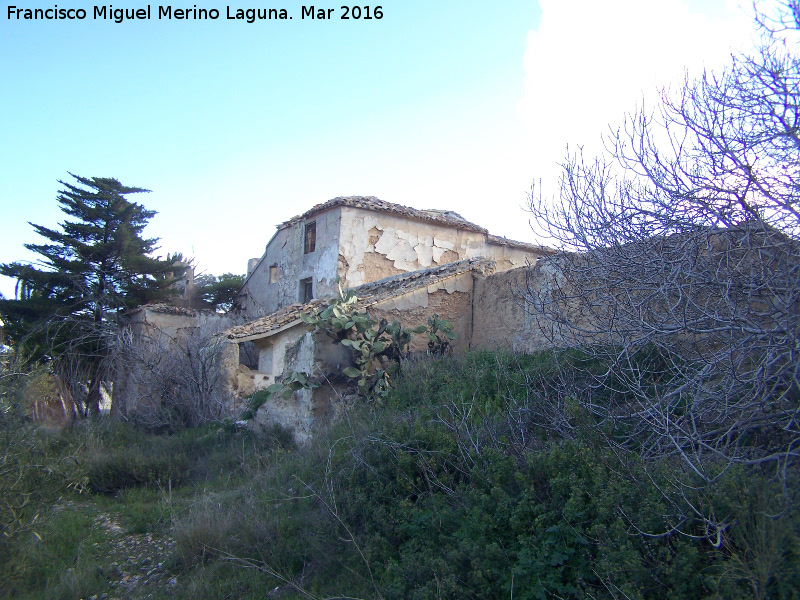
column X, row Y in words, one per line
column 361, row 239
column 402, row 263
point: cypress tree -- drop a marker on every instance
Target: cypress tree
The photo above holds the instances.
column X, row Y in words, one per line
column 92, row 267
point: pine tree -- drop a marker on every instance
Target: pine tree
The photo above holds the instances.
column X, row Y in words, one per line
column 91, row 268
column 219, row 292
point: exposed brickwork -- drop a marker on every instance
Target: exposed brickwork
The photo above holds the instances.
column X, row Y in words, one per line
column 367, row 294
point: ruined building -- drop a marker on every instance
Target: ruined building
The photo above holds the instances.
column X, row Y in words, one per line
column 361, row 240
column 402, row 263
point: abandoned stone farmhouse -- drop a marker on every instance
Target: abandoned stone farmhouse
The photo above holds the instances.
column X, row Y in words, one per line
column 402, row 263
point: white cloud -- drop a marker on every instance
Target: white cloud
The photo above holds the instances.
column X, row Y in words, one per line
column 590, row 62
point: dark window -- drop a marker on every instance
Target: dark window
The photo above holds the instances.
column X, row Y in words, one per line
column 310, row 239
column 306, row 290
column 248, row 355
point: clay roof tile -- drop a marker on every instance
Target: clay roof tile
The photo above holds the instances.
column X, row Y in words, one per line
column 368, row 294
column 446, row 217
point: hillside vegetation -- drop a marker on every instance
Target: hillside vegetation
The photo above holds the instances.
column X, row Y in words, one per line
column 477, row 477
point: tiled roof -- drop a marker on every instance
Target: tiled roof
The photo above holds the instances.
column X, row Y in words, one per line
column 169, row 310
column 503, row 241
column 367, row 294
column 445, row 217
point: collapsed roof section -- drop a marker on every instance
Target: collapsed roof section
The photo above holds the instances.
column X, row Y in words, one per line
column 368, row 295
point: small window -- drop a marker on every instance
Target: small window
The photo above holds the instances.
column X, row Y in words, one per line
column 310, row 238
column 273, row 274
column 306, row 290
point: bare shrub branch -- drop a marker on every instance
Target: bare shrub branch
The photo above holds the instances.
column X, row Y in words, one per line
column 173, row 382
column 679, row 269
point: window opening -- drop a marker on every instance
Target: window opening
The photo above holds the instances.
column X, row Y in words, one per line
column 248, row 355
column 306, row 290
column 310, row 239
column 273, row 274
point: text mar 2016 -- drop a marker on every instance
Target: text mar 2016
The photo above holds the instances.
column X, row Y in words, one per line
column 249, row 15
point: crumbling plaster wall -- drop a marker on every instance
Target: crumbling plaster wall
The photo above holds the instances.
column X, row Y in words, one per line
column 297, row 411
column 297, row 349
column 503, row 320
column 361, row 246
column 285, row 251
column 451, row 299
column 271, row 360
column 374, row 245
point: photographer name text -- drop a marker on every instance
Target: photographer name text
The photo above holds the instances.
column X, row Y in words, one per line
column 170, row 13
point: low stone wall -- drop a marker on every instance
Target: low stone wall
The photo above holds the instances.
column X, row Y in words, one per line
column 503, row 320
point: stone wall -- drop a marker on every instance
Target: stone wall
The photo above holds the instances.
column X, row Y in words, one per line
column 274, row 281
column 502, row 320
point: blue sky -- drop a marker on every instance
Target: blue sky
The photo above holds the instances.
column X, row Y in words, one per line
column 235, row 127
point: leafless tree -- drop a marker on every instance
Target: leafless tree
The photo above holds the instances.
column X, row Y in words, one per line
column 172, row 382
column 679, row 267
column 75, row 351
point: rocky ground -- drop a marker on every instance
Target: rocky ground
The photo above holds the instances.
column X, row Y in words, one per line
column 136, row 562
column 135, row 566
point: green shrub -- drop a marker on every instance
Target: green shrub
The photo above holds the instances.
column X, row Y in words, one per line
column 443, row 494
column 478, row 479
column 116, row 471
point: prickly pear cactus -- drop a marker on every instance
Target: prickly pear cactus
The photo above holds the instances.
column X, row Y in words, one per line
column 379, row 347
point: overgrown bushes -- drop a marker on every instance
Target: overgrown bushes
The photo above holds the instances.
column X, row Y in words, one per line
column 457, row 490
column 478, row 478
column 33, row 464
column 54, row 485
column 171, row 384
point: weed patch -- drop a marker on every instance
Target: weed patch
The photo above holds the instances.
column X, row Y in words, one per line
column 465, row 484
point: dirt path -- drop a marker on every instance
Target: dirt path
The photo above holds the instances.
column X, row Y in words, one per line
column 135, row 563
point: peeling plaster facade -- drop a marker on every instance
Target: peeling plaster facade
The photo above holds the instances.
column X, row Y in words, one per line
column 274, row 280
column 361, row 240
column 402, row 263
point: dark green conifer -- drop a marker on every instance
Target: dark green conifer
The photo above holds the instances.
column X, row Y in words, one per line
column 219, row 292
column 91, row 268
